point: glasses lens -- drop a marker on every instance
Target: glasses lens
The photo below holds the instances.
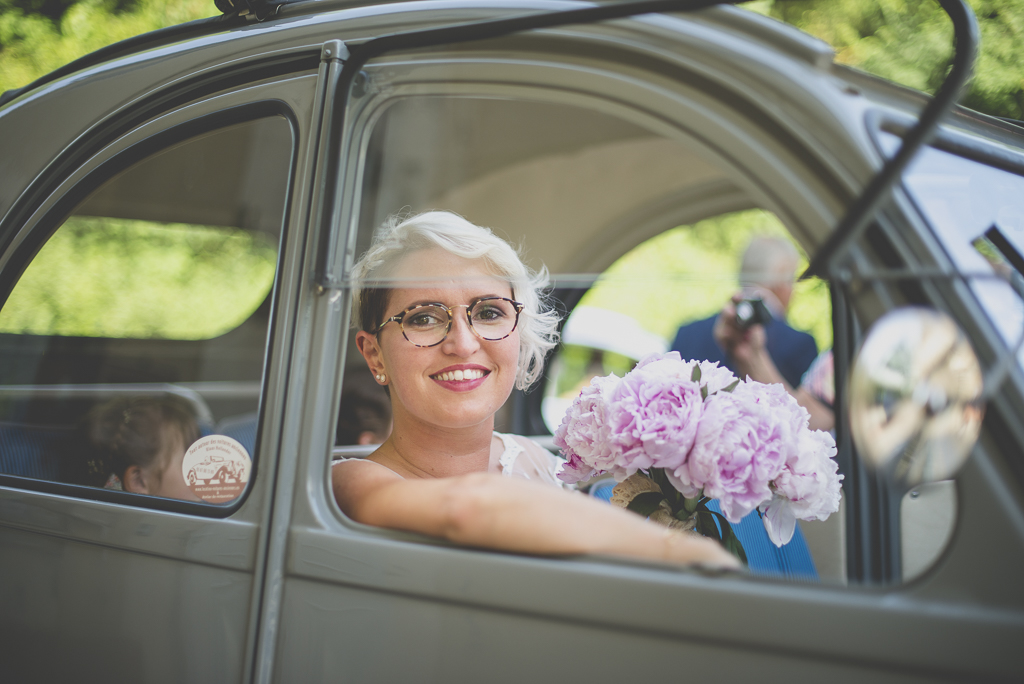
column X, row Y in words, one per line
column 493, row 319
column 425, row 325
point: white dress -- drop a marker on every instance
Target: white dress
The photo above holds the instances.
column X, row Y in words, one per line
column 524, row 458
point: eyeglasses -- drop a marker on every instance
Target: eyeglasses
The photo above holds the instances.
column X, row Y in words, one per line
column 427, row 325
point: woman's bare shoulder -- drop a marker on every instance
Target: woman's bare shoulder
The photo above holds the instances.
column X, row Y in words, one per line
column 356, row 479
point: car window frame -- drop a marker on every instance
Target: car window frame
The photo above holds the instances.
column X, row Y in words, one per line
column 141, row 143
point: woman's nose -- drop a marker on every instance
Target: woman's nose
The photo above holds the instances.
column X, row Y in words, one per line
column 461, row 340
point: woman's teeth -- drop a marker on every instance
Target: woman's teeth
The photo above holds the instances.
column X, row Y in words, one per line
column 468, row 374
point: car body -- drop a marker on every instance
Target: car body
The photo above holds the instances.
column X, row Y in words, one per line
column 581, row 141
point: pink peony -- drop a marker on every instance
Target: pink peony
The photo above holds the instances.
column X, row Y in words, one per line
column 574, row 469
column 744, row 440
column 583, row 436
column 652, row 419
column 808, row 488
column 744, row 443
column 671, row 365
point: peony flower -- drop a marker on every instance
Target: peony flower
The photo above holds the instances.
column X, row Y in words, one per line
column 744, row 443
column 744, row 440
column 574, row 470
column 808, row 488
column 652, row 419
column 583, row 436
column 672, row 365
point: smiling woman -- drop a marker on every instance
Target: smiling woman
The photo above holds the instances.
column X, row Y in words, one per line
column 441, row 329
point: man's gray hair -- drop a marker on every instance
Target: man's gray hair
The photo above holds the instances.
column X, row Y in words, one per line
column 768, row 261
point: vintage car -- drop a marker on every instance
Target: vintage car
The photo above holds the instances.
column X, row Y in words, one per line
column 179, row 214
column 212, row 468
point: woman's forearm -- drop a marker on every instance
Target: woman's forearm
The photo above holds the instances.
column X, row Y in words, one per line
column 490, row 511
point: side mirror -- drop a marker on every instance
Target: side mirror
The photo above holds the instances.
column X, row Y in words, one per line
column 916, row 397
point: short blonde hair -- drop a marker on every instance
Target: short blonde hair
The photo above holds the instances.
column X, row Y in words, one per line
column 397, row 237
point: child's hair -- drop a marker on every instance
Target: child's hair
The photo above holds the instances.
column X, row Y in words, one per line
column 538, row 323
column 134, row 431
column 364, row 407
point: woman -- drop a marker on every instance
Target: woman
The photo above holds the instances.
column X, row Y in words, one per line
column 461, row 324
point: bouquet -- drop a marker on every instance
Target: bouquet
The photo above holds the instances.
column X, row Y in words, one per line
column 676, row 434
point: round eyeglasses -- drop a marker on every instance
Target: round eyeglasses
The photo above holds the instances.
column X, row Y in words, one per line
column 427, row 325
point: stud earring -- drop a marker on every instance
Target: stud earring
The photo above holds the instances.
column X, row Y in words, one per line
column 381, row 378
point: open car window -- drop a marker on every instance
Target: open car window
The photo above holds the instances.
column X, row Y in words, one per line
column 641, row 232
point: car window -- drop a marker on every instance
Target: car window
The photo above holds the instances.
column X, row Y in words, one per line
column 977, row 212
column 132, row 345
column 640, row 230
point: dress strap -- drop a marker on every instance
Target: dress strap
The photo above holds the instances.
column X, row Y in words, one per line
column 513, row 448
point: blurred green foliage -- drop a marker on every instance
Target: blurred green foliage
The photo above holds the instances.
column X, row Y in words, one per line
column 910, row 42
column 137, row 279
column 907, row 41
column 689, row 272
column 38, row 36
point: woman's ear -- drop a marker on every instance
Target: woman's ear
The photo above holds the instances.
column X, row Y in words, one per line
column 134, row 480
column 370, row 350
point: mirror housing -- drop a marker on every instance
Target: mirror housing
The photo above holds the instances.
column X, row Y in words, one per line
column 916, row 397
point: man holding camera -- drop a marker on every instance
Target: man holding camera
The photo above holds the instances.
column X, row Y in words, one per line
column 767, row 272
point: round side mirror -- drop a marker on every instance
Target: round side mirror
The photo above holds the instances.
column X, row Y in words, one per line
column 915, row 396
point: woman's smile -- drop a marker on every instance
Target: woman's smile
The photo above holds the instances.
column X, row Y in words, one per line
column 461, row 377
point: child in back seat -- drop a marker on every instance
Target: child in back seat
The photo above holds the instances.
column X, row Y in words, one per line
column 137, row 444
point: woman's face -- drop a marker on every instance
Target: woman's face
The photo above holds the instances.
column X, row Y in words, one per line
column 424, row 381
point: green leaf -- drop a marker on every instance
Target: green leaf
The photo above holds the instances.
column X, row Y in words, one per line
column 703, row 392
column 695, row 376
column 645, row 503
column 706, row 525
column 729, row 539
column 731, row 387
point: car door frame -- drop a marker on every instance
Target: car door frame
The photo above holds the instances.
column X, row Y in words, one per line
column 229, row 538
column 404, row 570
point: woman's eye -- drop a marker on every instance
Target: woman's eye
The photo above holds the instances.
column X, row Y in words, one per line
column 424, row 319
column 486, row 314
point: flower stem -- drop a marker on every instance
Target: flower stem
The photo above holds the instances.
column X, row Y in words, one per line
column 690, row 505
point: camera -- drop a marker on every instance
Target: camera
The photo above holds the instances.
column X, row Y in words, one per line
column 752, row 311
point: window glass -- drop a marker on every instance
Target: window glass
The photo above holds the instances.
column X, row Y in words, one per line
column 963, row 200
column 106, row 277
column 640, row 231
column 132, row 346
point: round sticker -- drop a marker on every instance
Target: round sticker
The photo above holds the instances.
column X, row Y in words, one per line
column 216, row 468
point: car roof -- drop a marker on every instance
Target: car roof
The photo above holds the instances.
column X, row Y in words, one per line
column 777, row 63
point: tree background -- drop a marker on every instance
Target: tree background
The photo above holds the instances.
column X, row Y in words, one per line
column 906, row 41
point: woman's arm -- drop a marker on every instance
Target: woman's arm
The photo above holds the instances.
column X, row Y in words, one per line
column 490, row 511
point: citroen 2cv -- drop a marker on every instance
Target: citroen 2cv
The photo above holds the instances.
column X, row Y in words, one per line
column 178, row 217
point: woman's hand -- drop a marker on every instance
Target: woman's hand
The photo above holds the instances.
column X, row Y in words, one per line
column 491, row 511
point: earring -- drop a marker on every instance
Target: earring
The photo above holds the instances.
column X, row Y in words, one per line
column 381, row 378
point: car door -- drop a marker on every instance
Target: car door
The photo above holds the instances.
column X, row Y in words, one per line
column 581, row 143
column 146, row 269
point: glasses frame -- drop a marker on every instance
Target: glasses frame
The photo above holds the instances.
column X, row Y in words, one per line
column 400, row 317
